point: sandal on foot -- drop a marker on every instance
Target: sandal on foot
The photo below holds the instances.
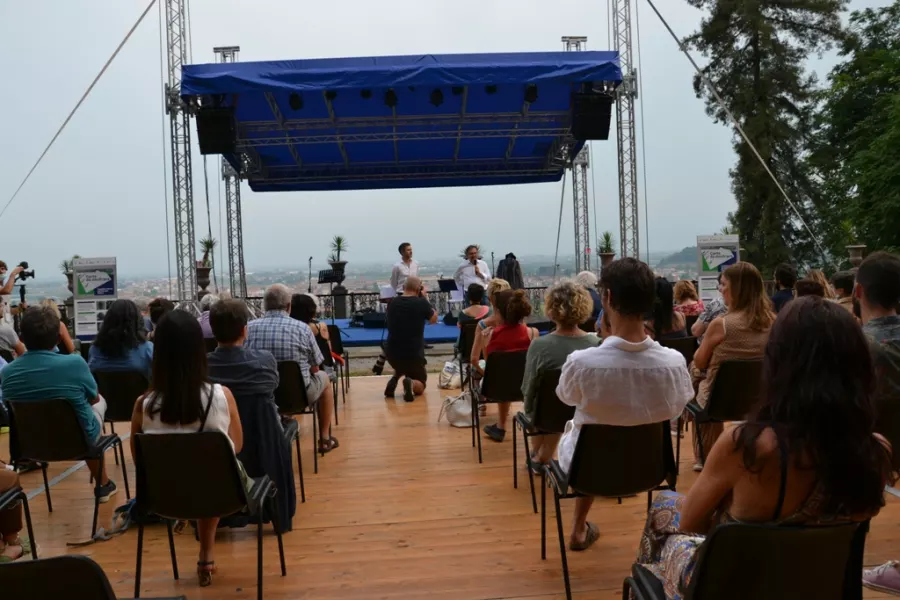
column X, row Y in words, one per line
column 592, row 535
column 8, row 558
column 330, row 444
column 205, row 571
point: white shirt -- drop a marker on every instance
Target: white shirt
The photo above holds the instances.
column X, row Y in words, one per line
column 218, row 419
column 465, row 275
column 621, row 383
column 401, row 272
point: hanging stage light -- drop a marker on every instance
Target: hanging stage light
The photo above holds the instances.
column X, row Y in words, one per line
column 390, row 98
column 437, row 97
column 296, row 101
column 330, row 95
column 457, row 90
column 531, row 94
column 365, row 94
column 490, row 89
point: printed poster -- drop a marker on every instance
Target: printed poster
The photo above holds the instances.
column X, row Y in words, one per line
column 715, row 253
column 95, row 289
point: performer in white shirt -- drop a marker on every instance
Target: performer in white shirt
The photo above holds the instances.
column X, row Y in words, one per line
column 472, row 270
column 404, row 269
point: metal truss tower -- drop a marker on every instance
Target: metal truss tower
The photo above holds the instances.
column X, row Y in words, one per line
column 236, row 273
column 629, row 226
column 182, row 175
column 579, row 169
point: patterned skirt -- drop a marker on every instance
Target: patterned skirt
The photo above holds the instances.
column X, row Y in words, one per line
column 665, row 551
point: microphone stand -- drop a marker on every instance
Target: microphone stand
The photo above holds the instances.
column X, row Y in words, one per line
column 310, row 275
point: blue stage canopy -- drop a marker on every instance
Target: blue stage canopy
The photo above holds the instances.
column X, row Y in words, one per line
column 398, row 121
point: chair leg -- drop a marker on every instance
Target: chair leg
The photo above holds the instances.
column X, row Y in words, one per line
column 259, row 562
column 27, row 511
column 347, row 368
column 172, row 549
column 124, row 470
column 543, row 514
column 276, row 522
column 315, row 444
column 530, row 474
column 112, row 427
column 698, row 433
column 649, row 500
column 474, row 410
column 515, row 455
column 46, row 487
column 97, row 486
column 300, row 469
column 137, row 568
column 477, row 428
column 678, row 446
column 562, row 545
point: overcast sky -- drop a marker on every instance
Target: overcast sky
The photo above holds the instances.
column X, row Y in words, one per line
column 99, row 192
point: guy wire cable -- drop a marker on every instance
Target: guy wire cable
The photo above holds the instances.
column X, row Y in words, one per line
column 737, row 126
column 562, row 196
column 162, row 77
column 78, row 105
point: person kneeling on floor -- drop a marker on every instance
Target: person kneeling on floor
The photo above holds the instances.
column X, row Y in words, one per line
column 406, row 318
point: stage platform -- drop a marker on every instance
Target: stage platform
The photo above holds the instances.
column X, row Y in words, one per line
column 359, row 336
column 401, row 511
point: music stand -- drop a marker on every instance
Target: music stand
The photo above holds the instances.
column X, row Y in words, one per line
column 331, row 277
column 446, row 286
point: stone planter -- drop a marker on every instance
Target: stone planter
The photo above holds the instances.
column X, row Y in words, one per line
column 606, row 258
column 203, row 281
column 856, row 253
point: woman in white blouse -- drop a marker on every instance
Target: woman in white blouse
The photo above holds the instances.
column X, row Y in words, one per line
column 182, row 400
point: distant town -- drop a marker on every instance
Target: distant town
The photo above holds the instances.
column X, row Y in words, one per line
column 537, row 270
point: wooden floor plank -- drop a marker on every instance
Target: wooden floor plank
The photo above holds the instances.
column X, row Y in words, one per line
column 402, row 510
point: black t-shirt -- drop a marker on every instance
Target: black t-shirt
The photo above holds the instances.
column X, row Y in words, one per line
column 406, row 317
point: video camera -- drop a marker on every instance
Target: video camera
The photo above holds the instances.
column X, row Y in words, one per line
column 23, row 275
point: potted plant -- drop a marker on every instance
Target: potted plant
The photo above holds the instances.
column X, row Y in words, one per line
column 205, row 265
column 339, row 246
column 67, row 269
column 854, row 248
column 605, row 249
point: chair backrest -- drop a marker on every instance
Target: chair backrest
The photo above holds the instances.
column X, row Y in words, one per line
column 7, row 356
column 735, row 390
column 686, row 345
column 589, row 326
column 334, row 336
column 689, row 322
column 211, row 344
column 746, row 562
column 550, row 414
column 46, row 430
column 290, row 395
column 120, row 389
column 615, row 461
column 467, row 333
column 503, row 375
column 54, row 578
column 187, row 475
column 86, row 350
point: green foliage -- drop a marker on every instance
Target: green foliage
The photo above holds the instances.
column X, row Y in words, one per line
column 66, row 265
column 605, row 243
column 208, row 245
column 856, row 150
column 339, row 245
column 756, row 51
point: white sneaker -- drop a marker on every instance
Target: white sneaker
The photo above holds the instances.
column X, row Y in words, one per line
column 698, row 467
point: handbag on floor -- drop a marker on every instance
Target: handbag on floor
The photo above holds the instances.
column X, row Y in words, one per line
column 458, row 410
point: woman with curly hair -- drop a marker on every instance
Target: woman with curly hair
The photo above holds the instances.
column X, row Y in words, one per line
column 568, row 305
column 121, row 343
column 687, row 302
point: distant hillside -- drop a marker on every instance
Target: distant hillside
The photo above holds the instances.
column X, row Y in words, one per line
column 688, row 256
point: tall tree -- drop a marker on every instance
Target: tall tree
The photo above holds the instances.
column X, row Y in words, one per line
column 756, row 51
column 856, row 149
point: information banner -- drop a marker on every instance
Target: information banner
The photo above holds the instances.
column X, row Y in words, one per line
column 95, row 289
column 715, row 253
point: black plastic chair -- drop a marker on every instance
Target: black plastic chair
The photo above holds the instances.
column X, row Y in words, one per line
column 598, row 469
column 290, row 397
column 502, row 382
column 589, row 326
column 85, row 351
column 196, row 476
column 734, row 392
column 66, row 576
column 337, row 346
column 748, row 562
column 8, row 499
column 48, row 431
column 211, row 344
column 467, row 334
column 7, row 356
column 550, row 416
column 689, row 323
column 120, row 389
column 687, row 346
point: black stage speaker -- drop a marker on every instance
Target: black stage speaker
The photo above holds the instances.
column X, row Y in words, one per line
column 591, row 114
column 216, row 130
column 374, row 320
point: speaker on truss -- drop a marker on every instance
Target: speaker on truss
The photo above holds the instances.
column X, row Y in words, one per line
column 216, row 130
column 591, row 113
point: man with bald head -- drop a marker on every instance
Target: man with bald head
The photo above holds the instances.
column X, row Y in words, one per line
column 406, row 318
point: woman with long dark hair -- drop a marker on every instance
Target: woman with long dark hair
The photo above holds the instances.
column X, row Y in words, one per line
column 807, row 454
column 121, row 343
column 665, row 323
column 182, row 400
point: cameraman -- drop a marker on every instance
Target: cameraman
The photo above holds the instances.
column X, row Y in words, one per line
column 9, row 280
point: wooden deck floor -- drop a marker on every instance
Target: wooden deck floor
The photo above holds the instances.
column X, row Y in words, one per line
column 401, row 510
